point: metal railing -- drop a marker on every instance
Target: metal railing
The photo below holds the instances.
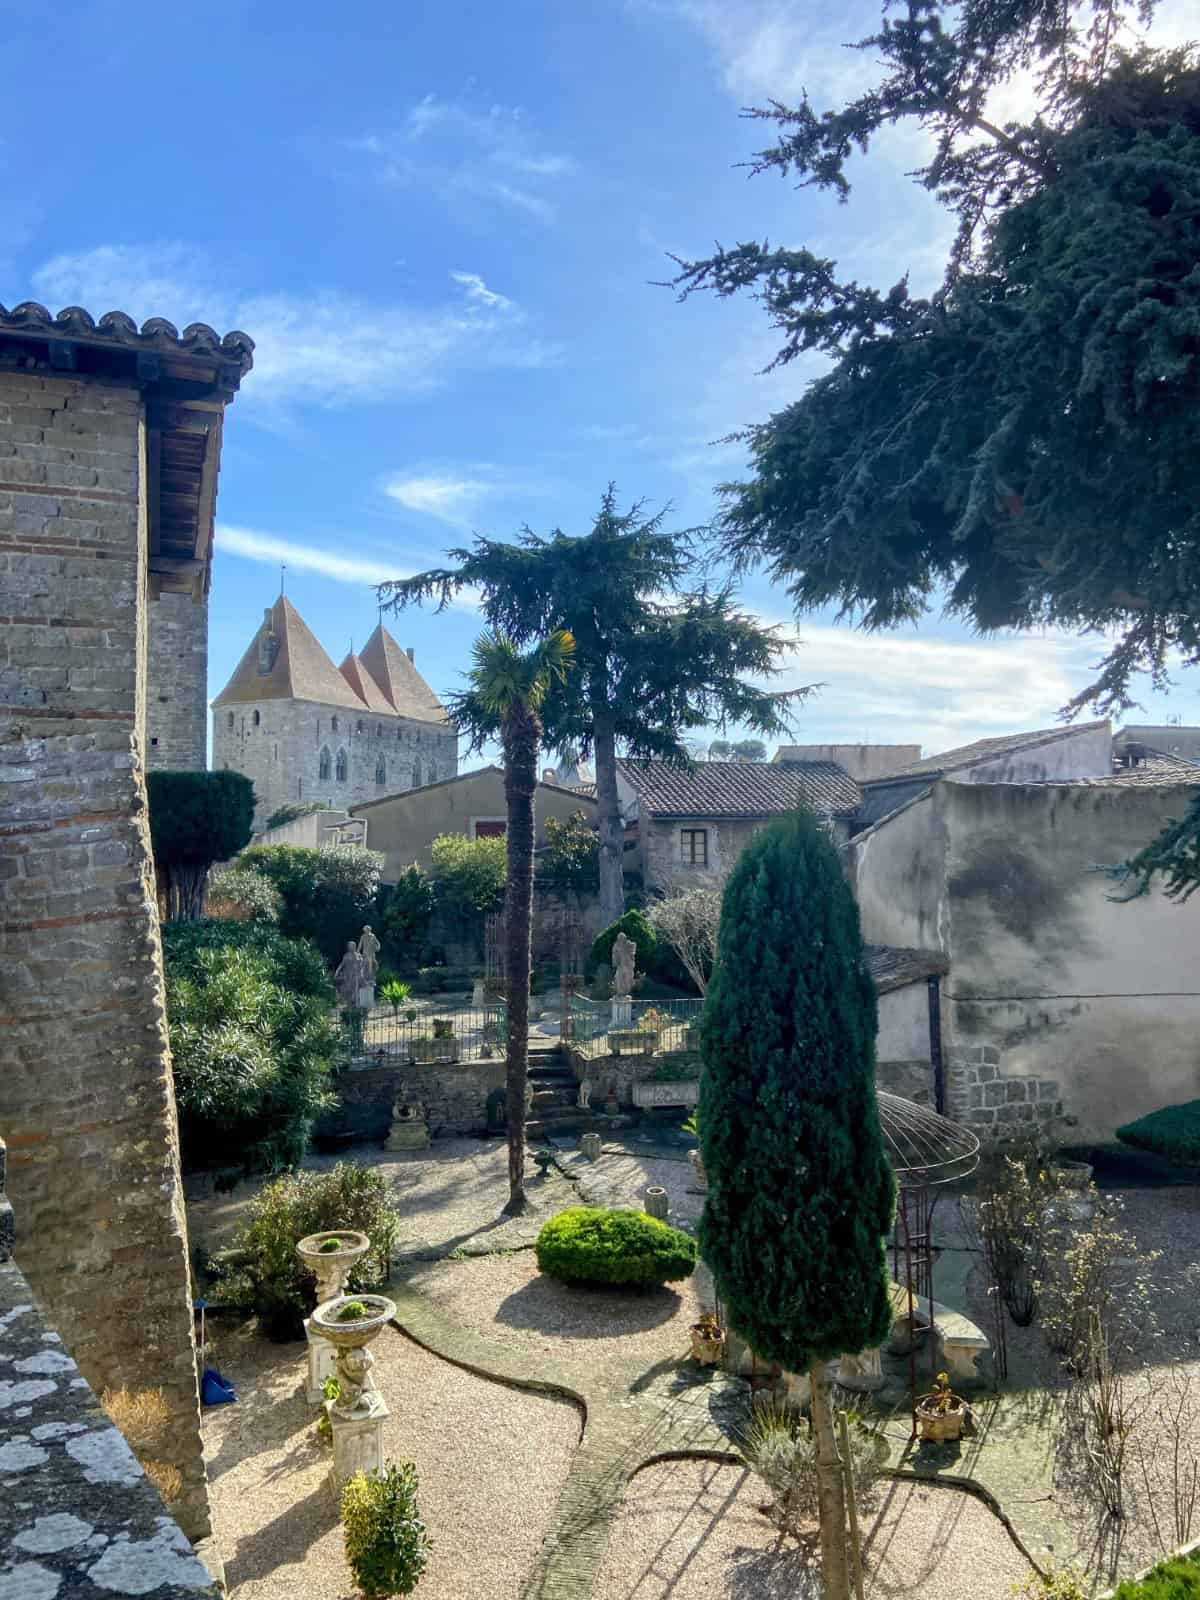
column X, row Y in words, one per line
column 655, row 1027
column 423, row 1031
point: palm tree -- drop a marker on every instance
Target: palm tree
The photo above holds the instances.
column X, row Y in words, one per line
column 506, row 690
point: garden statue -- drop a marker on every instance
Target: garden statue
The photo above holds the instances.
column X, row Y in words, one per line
column 349, row 977
column 623, row 952
column 368, row 950
column 585, row 1094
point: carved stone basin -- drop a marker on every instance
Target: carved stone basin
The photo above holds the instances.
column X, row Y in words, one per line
column 350, row 1339
column 332, row 1266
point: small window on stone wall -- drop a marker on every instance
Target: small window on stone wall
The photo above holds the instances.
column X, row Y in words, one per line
column 324, row 767
column 381, row 771
column 379, row 730
column 359, row 727
column 257, row 718
column 693, row 847
column 229, row 721
column 334, row 725
column 416, row 777
column 343, row 766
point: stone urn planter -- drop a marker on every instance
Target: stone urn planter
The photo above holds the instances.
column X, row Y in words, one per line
column 708, row 1341
column 331, row 1256
column 436, row 1049
column 697, row 1164
column 941, row 1413
column 350, row 1335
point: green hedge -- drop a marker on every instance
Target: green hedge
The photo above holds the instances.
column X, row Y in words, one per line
column 1172, row 1132
column 196, row 819
column 654, row 959
column 1177, row 1579
column 589, row 1244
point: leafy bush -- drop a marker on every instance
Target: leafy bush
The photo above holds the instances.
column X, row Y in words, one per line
column 252, row 1044
column 328, row 894
column 1172, row 1132
column 1177, row 1579
column 196, row 819
column 262, row 1271
column 1057, row 1583
column 571, row 858
column 405, row 912
column 244, row 896
column 589, row 1244
column 469, row 874
column 293, row 813
column 386, row 1543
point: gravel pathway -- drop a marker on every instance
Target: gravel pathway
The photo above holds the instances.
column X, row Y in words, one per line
column 507, row 1299
column 492, row 1462
column 692, row 1531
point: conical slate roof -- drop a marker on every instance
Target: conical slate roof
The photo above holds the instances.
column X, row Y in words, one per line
column 363, row 684
column 300, row 670
column 403, row 686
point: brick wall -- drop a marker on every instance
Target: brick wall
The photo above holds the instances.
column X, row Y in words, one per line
column 177, row 692
column 86, row 1100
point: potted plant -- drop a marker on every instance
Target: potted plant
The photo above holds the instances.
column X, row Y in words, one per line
column 395, row 992
column 708, row 1340
column 443, row 1027
column 941, row 1412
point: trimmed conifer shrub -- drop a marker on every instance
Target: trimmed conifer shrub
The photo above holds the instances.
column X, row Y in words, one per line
column 800, row 1194
column 591, row 1244
column 196, row 820
column 1172, row 1132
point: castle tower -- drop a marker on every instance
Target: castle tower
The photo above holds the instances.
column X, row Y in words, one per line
column 303, row 729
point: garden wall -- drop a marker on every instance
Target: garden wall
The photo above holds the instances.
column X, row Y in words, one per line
column 454, row 1097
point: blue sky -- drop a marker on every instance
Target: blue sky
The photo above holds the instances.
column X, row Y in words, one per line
column 441, row 223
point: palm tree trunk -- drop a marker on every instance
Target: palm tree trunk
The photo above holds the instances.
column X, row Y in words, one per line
column 831, row 1492
column 608, row 806
column 521, row 735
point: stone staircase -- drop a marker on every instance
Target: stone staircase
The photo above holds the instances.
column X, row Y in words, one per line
column 555, row 1111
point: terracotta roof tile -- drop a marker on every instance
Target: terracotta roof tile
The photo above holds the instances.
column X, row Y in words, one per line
column 115, row 328
column 968, row 755
column 740, row 788
column 363, row 684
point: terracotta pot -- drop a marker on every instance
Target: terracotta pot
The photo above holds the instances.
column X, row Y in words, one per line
column 707, row 1352
column 938, row 1426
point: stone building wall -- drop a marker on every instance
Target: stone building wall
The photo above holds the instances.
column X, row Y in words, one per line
column 86, row 1097
column 281, row 752
column 177, row 690
column 661, row 849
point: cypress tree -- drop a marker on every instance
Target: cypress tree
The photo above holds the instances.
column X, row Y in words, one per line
column 800, row 1194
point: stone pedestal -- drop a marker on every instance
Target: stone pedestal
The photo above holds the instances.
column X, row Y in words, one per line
column 622, row 1011
column 589, row 1146
column 654, row 1198
column 478, row 995
column 322, row 1364
column 408, row 1136
column 366, row 997
column 358, row 1439
column 862, row 1373
column 703, row 1286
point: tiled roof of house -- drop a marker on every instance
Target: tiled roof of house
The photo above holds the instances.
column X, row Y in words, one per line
column 894, row 967
column 300, row 671
column 740, row 788
column 969, row 755
column 403, row 686
column 116, row 329
column 1155, row 770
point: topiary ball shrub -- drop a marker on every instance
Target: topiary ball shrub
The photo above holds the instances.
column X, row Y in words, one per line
column 1175, row 1579
column 590, row 1244
column 1172, row 1132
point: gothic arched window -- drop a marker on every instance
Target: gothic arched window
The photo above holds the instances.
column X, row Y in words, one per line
column 229, row 722
column 432, row 778
column 379, row 730
column 416, row 778
column 343, row 766
column 381, row 771
column 359, row 728
column 324, row 769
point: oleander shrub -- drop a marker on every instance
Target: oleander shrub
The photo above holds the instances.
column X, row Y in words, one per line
column 328, row 894
column 262, row 1272
column 240, row 896
column 253, row 1044
column 591, row 1244
column 1172, row 1132
column 386, row 1542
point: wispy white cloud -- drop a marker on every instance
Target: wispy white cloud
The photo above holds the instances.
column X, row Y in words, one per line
column 927, row 688
column 456, row 495
column 273, row 551
column 463, row 152
column 325, row 349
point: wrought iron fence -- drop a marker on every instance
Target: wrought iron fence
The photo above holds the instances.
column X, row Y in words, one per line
column 424, row 1031
column 655, row 1027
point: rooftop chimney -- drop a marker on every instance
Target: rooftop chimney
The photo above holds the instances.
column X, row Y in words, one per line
column 409, row 653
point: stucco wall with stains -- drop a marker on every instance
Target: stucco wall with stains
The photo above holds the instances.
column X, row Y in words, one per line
column 897, row 870
column 1045, row 968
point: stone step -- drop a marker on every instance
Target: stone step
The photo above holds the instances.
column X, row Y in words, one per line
column 547, row 1099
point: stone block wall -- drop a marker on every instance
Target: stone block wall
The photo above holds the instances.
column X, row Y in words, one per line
column 177, row 693
column 86, row 1097
column 980, row 1094
column 79, row 1515
column 454, row 1096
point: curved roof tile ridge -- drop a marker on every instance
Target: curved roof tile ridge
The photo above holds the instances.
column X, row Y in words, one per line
column 116, row 327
